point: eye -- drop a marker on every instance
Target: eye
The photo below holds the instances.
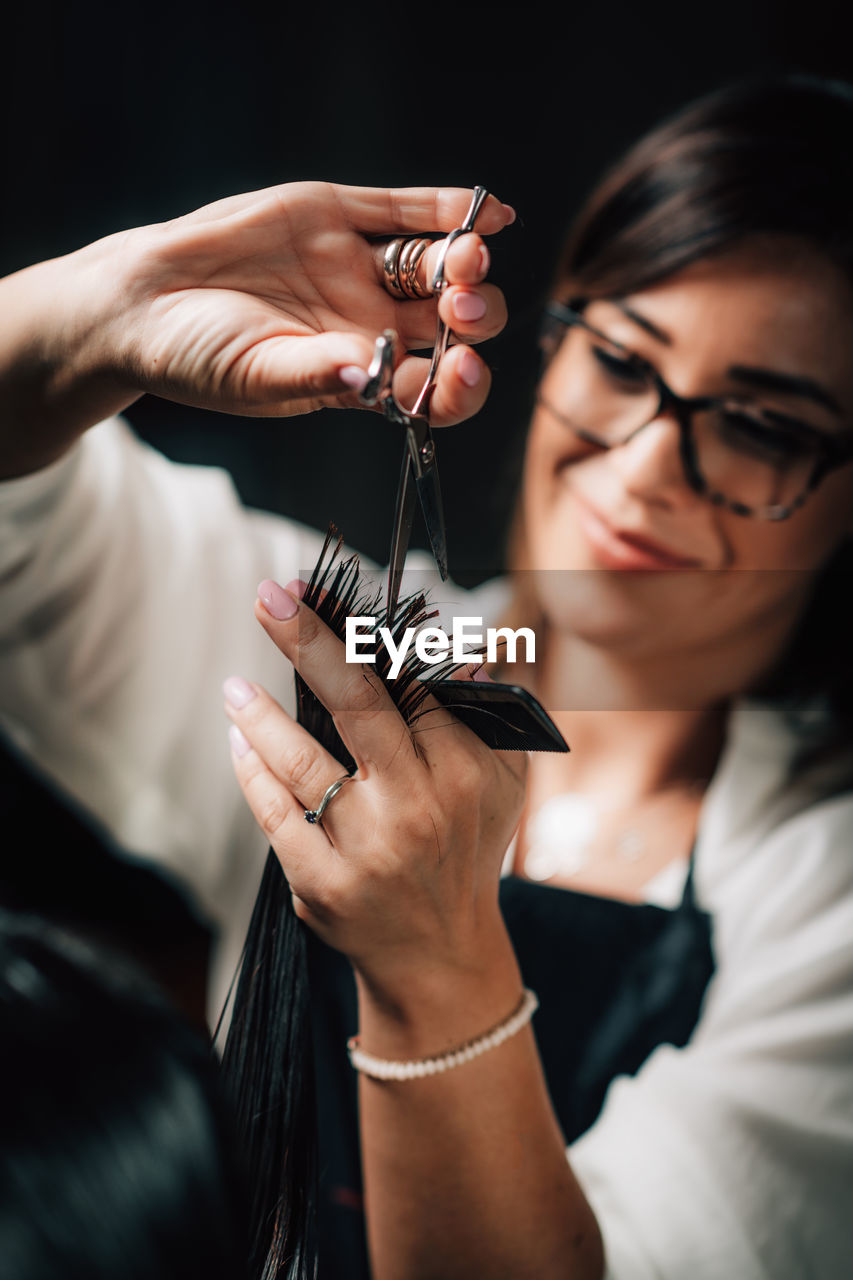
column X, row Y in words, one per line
column 621, row 370
column 760, row 438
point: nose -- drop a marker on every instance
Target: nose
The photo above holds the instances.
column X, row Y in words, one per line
column 650, row 465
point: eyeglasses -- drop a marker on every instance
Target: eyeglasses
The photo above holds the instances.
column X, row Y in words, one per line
column 752, row 460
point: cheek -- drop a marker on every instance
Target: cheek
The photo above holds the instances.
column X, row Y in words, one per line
column 551, row 536
column 641, row 614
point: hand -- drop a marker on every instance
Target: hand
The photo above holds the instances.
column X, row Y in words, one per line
column 467, row 1170
column 402, row 874
column 254, row 305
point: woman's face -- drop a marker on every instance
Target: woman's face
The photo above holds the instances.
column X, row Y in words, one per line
column 773, row 306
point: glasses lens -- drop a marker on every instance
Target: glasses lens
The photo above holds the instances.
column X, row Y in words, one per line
column 597, row 389
column 751, row 459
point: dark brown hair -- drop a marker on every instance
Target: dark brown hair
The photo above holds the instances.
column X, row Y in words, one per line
column 768, row 156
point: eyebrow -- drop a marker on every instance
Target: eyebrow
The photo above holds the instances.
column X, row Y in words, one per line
column 787, row 383
column 762, row 379
column 644, row 323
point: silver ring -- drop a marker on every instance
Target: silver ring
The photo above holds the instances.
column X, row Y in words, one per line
column 314, row 815
column 400, row 266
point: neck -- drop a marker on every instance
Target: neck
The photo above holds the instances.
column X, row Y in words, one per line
column 634, row 728
column 638, row 718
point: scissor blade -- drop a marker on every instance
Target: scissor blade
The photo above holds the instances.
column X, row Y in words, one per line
column 404, row 514
column 429, row 493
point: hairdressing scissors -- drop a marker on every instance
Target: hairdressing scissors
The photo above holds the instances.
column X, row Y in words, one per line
column 419, row 473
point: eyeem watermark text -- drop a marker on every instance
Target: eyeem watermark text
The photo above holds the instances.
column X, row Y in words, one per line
column 432, row 644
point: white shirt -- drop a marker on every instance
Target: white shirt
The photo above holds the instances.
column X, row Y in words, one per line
column 127, row 589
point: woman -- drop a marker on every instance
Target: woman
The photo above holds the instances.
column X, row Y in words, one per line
column 692, row 422
column 713, row 264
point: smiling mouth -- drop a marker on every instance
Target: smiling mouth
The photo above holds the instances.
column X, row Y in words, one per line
column 618, row 549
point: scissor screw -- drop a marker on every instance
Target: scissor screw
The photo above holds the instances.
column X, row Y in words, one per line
column 427, row 451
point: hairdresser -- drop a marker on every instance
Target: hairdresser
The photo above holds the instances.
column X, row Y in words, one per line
column 266, row 304
column 681, row 902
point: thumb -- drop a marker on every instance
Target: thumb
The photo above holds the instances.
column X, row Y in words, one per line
column 304, row 368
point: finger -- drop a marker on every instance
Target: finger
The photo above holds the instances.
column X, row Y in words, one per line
column 436, row 726
column 303, row 849
column 466, row 260
column 386, row 211
column 461, row 388
column 363, row 711
column 290, row 374
column 474, row 314
column 432, row 716
column 290, row 753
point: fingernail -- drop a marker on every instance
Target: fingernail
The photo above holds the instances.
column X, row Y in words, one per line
column 298, row 588
column 482, row 674
column 469, row 369
column 240, row 744
column 510, row 212
column 485, row 260
column 276, row 601
column 237, row 691
column 351, row 376
column 468, row 306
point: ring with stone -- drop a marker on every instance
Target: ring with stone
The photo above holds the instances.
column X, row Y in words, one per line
column 315, row 815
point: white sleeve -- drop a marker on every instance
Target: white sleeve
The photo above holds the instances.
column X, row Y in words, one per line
column 733, row 1157
column 127, row 584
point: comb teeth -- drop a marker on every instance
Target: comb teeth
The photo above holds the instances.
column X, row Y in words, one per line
column 503, row 716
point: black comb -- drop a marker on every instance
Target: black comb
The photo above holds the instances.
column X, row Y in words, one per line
column 504, row 716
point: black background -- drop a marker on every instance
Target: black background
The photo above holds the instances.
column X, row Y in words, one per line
column 119, row 115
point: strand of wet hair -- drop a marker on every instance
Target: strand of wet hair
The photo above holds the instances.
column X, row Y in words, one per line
column 268, row 1057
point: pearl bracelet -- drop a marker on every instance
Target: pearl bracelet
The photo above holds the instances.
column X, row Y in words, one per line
column 388, row 1069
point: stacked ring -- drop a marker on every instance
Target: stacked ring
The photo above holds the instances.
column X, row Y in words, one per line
column 400, row 267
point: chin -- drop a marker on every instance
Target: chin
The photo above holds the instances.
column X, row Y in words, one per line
column 631, row 612
column 601, row 607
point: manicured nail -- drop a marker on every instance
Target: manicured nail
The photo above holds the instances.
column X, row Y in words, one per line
column 469, row 369
column 485, row 260
column 240, row 744
column 468, row 306
column 482, row 674
column 510, row 212
column 298, row 588
column 237, row 691
column 351, row 376
column 276, row 601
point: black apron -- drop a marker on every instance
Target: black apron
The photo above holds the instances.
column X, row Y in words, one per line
column 614, row 980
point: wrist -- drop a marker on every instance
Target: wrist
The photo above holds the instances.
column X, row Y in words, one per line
column 56, row 373
column 432, row 1007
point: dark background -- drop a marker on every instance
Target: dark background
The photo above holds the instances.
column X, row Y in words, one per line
column 115, row 116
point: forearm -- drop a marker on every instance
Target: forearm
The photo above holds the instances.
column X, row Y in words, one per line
column 56, row 376
column 466, row 1172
